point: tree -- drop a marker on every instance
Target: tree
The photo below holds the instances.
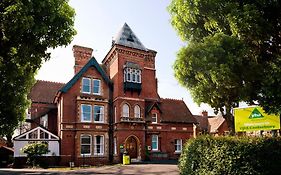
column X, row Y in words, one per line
column 33, row 151
column 216, row 71
column 231, row 45
column 27, row 30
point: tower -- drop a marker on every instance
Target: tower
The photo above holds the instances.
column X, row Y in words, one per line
column 131, row 67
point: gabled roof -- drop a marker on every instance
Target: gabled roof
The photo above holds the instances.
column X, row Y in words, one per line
column 126, row 37
column 92, row 62
column 202, row 121
column 215, row 123
column 38, row 132
column 44, row 91
column 175, row 111
column 150, row 104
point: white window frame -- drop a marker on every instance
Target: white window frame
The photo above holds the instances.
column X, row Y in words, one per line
column 101, row 144
column 132, row 75
column 86, row 92
column 178, row 144
column 82, row 113
column 152, row 140
column 101, row 114
column 154, row 117
column 99, row 92
column 81, row 144
column 125, row 113
column 137, row 111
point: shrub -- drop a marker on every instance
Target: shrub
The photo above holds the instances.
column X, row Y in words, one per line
column 231, row 155
column 34, row 151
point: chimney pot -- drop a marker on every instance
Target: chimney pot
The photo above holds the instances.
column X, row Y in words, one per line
column 204, row 113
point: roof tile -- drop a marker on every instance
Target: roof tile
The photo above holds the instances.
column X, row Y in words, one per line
column 175, row 111
column 44, row 91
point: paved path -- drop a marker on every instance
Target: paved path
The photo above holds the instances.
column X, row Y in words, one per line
column 136, row 169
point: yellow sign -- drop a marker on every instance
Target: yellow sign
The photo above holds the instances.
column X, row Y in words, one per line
column 254, row 119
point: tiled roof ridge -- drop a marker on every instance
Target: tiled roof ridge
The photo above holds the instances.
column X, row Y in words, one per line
column 48, row 81
column 172, row 99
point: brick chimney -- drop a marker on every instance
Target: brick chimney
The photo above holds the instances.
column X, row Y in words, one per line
column 81, row 55
column 204, row 113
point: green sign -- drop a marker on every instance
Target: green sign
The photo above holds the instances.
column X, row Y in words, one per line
column 254, row 119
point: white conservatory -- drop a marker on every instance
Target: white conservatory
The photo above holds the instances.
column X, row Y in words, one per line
column 35, row 135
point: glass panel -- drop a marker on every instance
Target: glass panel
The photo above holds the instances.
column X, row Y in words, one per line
column 128, row 74
column 154, row 142
column 33, row 135
column 137, row 111
column 85, row 149
column 99, row 145
column 86, row 140
column 98, row 113
column 154, row 118
column 86, row 85
column 44, row 135
column 125, row 110
column 96, row 86
column 86, row 144
column 86, row 113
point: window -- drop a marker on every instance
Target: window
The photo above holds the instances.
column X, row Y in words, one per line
column 96, row 87
column 137, row 111
column 86, row 85
column 44, row 121
column 154, row 118
column 178, row 145
column 98, row 145
column 86, row 144
column 86, row 111
column 132, row 75
column 154, row 142
column 138, row 74
column 126, row 111
column 98, row 113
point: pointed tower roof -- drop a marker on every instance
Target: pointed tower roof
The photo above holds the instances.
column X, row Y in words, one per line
column 126, row 37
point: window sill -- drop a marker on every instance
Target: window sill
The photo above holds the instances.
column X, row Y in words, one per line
column 177, row 152
column 86, row 122
column 98, row 121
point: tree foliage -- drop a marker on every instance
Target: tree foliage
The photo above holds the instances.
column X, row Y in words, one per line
column 27, row 29
column 33, row 151
column 233, row 52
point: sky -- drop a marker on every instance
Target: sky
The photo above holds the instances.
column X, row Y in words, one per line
column 98, row 21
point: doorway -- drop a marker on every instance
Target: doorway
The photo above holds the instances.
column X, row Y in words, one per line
column 131, row 146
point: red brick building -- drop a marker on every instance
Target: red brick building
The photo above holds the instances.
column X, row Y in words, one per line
column 214, row 125
column 112, row 107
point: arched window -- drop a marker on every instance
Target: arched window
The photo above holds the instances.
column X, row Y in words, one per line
column 125, row 111
column 137, row 111
column 86, row 144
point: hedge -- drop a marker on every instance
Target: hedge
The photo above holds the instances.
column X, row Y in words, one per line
column 207, row 155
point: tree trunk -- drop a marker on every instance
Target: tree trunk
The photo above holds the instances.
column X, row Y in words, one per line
column 9, row 140
column 229, row 120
